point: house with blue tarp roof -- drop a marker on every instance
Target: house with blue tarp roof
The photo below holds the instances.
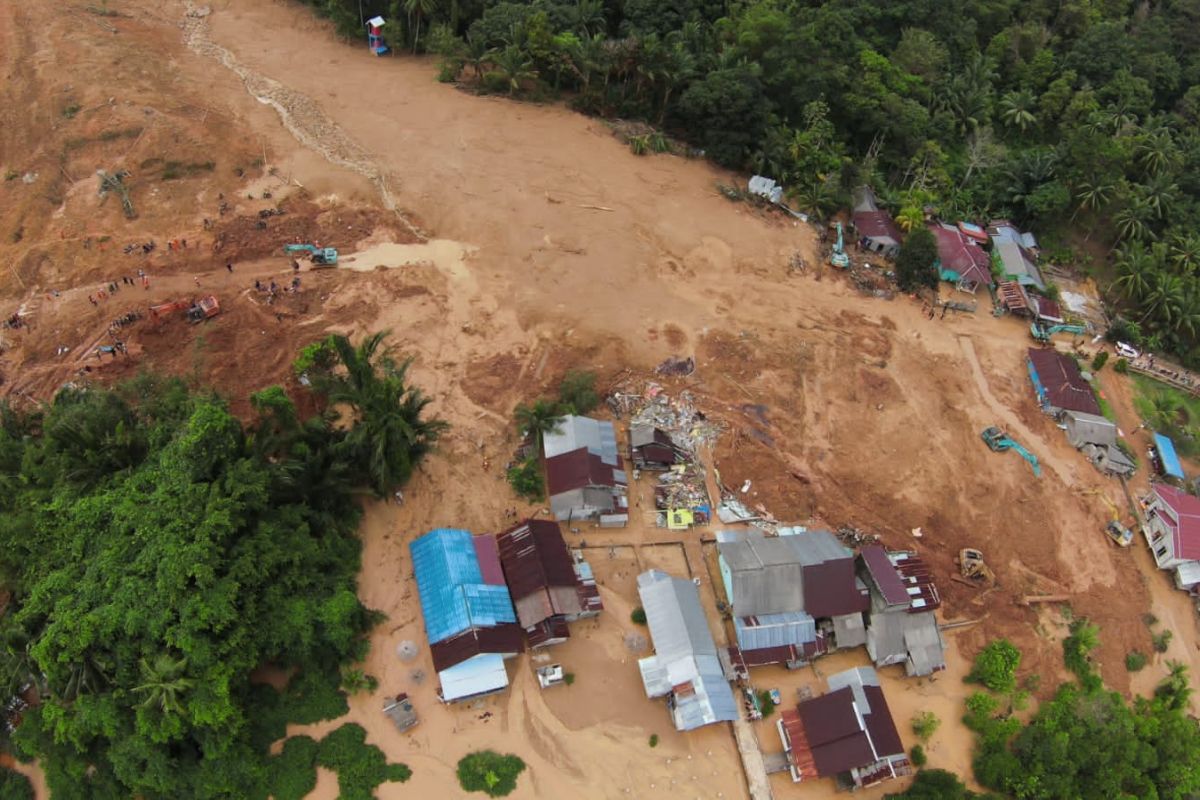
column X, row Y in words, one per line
column 468, row 612
column 1168, row 457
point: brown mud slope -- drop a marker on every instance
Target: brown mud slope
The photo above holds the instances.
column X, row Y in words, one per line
column 550, row 246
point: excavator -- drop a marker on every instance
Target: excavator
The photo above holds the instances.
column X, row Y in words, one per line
column 1120, row 535
column 998, row 441
column 1042, row 332
column 320, row 256
column 839, row 258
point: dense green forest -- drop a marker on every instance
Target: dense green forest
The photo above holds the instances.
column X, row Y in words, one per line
column 1078, row 118
column 155, row 550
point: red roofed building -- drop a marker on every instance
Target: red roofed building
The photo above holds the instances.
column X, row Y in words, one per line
column 1059, row 384
column 961, row 260
column 1173, row 532
column 582, row 486
column 847, row 733
column 548, row 587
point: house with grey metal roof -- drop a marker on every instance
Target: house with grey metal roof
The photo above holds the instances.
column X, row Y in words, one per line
column 793, row 597
column 685, row 667
column 573, row 432
column 901, row 625
column 1015, row 252
column 1084, row 428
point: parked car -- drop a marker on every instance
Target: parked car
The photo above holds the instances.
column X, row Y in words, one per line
column 1127, row 350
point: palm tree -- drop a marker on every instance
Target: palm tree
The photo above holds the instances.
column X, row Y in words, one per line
column 1133, row 220
column 477, row 54
column 514, row 67
column 1155, row 150
column 1164, row 408
column 1185, row 252
column 815, row 196
column 539, row 418
column 1135, row 267
column 388, row 437
column 163, row 683
column 1093, row 196
column 1165, row 301
column 1016, row 109
column 1160, row 193
column 1175, row 690
column 585, row 17
column 418, row 10
column 910, row 217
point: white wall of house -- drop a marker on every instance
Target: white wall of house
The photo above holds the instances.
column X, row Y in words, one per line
column 1159, row 533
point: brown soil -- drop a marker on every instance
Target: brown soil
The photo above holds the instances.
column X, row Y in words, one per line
column 838, row 408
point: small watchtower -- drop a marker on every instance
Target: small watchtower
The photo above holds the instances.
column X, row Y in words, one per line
column 375, row 35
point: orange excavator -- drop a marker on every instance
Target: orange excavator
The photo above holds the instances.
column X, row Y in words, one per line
column 206, row 307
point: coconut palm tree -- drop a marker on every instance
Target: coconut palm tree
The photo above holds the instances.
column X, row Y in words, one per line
column 909, row 218
column 1016, row 109
column 1155, row 151
column 1185, row 252
column 1133, row 220
column 163, row 683
column 388, row 436
column 418, row 10
column 1160, row 194
column 539, row 418
column 1136, row 266
column 1093, row 196
column 514, row 67
column 585, row 17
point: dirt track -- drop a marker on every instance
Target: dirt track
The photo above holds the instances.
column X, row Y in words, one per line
column 840, row 409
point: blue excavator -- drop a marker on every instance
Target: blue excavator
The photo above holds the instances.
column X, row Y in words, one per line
column 320, row 256
column 839, row 258
column 1043, row 332
column 998, row 441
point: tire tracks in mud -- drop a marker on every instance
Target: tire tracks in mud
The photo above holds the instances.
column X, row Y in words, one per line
column 299, row 113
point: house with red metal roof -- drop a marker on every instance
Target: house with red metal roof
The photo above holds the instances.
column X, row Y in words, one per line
column 1172, row 530
column 548, row 586
column 960, row 259
column 584, row 477
column 1059, row 384
column 901, row 625
column 876, row 230
column 847, row 734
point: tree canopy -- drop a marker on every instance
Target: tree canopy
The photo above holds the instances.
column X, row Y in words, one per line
column 157, row 550
column 1088, row 741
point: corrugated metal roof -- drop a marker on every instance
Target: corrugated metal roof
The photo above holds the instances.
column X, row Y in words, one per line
column 835, row 733
column 885, row 638
column 580, row 468
column 506, row 639
column 818, row 547
column 454, row 596
column 600, row 439
column 1166, row 454
column 774, row 630
column 480, row 675
column 1062, row 381
column 1083, row 428
column 674, row 615
column 924, row 645
column 685, row 662
column 884, row 574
